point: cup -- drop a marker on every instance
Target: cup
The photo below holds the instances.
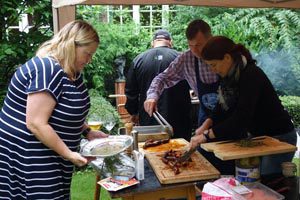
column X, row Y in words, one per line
column 95, row 125
column 289, row 169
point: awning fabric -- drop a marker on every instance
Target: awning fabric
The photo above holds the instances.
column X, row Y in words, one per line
column 214, row 3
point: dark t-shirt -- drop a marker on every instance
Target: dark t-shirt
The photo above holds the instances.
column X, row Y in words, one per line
column 174, row 104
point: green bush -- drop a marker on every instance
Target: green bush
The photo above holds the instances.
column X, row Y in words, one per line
column 17, row 47
column 292, row 104
column 101, row 108
column 116, row 40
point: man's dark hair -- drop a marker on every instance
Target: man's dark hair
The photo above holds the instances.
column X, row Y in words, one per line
column 196, row 26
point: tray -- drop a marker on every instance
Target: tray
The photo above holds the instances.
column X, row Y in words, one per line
column 149, row 129
column 105, row 147
column 260, row 191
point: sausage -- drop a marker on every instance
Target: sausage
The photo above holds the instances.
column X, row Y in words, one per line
column 153, row 143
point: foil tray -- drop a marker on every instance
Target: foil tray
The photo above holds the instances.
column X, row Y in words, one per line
column 105, row 147
column 149, row 129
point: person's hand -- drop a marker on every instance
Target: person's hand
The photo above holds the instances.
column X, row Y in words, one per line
column 77, row 159
column 95, row 134
column 205, row 126
column 134, row 119
column 200, row 130
column 196, row 141
column 150, row 106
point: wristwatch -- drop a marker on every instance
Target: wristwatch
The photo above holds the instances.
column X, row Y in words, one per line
column 206, row 135
column 86, row 131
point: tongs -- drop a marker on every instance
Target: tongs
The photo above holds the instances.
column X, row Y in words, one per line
column 163, row 122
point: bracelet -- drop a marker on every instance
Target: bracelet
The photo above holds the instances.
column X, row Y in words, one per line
column 206, row 135
column 86, row 131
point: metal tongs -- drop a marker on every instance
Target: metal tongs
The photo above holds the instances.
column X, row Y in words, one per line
column 163, row 122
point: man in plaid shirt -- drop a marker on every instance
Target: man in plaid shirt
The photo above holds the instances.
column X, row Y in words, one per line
column 188, row 66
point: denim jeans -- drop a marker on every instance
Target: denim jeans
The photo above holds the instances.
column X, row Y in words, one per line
column 209, row 101
column 272, row 164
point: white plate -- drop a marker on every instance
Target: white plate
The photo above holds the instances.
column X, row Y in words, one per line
column 104, row 147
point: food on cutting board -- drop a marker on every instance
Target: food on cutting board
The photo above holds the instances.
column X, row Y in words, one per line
column 249, row 143
column 170, row 157
column 163, row 145
column 154, row 143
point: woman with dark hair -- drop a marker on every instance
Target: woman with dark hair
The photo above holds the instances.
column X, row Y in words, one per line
column 247, row 103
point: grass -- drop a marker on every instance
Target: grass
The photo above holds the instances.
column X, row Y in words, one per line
column 83, row 186
column 297, row 162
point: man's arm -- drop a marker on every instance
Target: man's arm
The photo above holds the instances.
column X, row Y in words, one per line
column 131, row 92
column 168, row 78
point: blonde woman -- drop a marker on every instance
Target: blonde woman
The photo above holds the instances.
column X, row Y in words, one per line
column 43, row 117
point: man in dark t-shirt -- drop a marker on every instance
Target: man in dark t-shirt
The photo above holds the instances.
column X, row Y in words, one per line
column 174, row 104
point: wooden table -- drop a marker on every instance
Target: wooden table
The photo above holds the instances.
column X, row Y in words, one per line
column 150, row 188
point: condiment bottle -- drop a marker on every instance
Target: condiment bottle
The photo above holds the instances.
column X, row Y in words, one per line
column 129, row 127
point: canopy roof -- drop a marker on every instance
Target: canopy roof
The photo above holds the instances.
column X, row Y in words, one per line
column 64, row 10
column 217, row 3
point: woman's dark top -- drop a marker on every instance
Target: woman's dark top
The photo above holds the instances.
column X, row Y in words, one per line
column 255, row 109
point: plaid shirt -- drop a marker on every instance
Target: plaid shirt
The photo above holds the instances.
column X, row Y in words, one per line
column 182, row 68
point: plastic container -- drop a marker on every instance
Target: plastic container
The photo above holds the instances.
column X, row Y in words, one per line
column 289, row 169
column 139, row 164
column 247, row 170
column 260, row 191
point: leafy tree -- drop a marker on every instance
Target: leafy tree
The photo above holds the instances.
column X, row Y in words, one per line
column 115, row 40
column 272, row 35
column 16, row 46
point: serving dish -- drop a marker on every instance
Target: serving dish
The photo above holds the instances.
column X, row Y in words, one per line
column 105, row 147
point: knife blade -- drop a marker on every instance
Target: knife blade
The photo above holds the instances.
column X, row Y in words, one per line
column 186, row 155
column 252, row 139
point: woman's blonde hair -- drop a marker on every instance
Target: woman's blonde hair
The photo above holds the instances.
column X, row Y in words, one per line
column 62, row 46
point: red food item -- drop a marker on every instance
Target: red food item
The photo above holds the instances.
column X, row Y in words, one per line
column 170, row 157
column 153, row 143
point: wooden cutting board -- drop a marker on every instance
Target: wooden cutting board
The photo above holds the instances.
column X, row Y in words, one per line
column 231, row 150
column 198, row 169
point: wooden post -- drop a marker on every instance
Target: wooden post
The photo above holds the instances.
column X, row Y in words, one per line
column 121, row 100
column 62, row 16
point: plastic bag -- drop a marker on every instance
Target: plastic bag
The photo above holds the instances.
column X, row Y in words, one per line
column 119, row 167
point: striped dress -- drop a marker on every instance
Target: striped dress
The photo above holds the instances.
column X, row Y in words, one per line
column 28, row 169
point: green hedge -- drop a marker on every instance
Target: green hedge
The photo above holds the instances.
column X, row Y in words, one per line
column 103, row 109
column 292, row 104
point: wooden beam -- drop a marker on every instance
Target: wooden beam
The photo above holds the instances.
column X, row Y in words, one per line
column 62, row 16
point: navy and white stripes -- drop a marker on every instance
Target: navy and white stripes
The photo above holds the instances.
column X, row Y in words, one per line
column 28, row 169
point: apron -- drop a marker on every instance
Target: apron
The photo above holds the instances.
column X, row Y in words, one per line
column 207, row 94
